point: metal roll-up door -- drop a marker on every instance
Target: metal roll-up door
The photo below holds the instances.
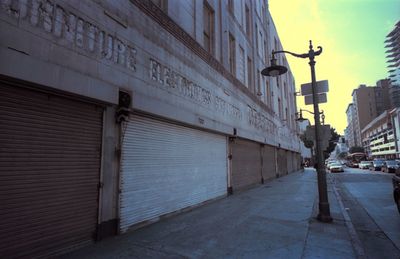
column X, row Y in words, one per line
column 289, row 158
column 49, row 172
column 166, row 168
column 282, row 162
column 268, row 163
column 246, row 163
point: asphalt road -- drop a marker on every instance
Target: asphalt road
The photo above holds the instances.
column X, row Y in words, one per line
column 367, row 197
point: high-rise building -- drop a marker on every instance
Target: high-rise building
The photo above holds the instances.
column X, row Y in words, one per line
column 368, row 103
column 364, row 110
column 393, row 59
column 382, row 96
column 349, row 133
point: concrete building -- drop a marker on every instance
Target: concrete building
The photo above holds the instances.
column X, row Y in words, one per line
column 368, row 103
column 115, row 114
column 350, row 132
column 393, row 58
column 379, row 138
column 382, row 96
column 395, row 118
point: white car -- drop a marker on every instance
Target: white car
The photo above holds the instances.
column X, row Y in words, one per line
column 336, row 167
column 328, row 166
column 365, row 164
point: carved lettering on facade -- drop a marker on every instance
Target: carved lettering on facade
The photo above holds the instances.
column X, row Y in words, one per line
column 63, row 24
column 182, row 86
column 260, row 121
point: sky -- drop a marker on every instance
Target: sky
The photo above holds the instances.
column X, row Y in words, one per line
column 352, row 35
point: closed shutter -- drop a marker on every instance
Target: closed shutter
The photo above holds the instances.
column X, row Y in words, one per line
column 289, row 161
column 246, row 163
column 282, row 162
column 166, row 168
column 49, row 172
column 269, row 163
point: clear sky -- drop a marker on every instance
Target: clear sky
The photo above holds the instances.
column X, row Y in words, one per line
column 352, row 34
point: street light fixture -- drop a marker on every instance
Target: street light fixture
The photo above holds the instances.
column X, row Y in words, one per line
column 275, row 70
column 301, row 118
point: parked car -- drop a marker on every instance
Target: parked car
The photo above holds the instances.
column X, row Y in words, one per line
column 336, row 167
column 390, row 166
column 376, row 165
column 365, row 164
column 396, row 190
column 328, row 166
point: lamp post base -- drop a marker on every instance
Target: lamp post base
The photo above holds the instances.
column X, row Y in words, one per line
column 324, row 214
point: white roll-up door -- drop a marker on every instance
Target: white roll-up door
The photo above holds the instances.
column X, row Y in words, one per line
column 165, row 168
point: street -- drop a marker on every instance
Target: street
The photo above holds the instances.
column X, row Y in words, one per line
column 367, row 197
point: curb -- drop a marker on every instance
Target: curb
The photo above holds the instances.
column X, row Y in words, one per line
column 355, row 240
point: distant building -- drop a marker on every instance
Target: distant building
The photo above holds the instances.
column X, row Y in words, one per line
column 350, row 134
column 382, row 96
column 393, row 59
column 378, row 137
column 364, row 110
column 368, row 103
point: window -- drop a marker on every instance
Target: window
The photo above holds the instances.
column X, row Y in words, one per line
column 208, row 32
column 242, row 65
column 162, row 4
column 231, row 7
column 256, row 32
column 285, row 89
column 249, row 74
column 280, row 108
column 268, row 93
column 232, row 54
column 266, row 52
column 248, row 22
column 259, row 93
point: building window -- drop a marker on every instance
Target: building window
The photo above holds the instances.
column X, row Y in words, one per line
column 249, row 73
column 259, row 93
column 266, row 52
column 231, row 7
column 208, row 32
column 162, row 4
column 248, row 21
column 242, row 65
column 256, row 32
column 232, row 55
column 280, row 108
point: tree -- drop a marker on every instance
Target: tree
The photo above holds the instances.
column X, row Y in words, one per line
column 356, row 149
column 332, row 142
column 307, row 143
column 342, row 155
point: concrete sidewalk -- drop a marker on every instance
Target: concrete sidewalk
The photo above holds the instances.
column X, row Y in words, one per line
column 274, row 220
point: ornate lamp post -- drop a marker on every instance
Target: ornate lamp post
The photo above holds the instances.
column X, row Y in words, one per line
column 276, row 70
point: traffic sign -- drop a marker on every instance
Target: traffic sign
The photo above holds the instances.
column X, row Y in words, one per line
column 321, row 87
column 321, row 98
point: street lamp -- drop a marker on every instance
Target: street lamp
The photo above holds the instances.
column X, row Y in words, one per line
column 275, row 70
column 301, row 118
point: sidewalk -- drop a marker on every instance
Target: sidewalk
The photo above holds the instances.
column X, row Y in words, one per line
column 274, row 220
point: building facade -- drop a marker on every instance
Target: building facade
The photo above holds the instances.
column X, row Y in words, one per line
column 117, row 113
column 379, row 137
column 368, row 103
column 393, row 58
